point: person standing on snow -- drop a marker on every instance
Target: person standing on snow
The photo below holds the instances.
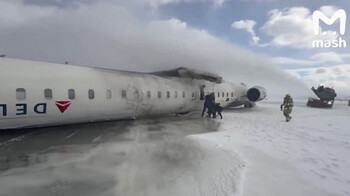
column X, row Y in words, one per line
column 206, row 104
column 287, row 106
column 211, row 105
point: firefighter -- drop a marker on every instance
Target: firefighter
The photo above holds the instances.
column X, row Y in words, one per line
column 287, row 106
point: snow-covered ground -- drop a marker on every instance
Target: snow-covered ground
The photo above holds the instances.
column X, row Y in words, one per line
column 307, row 156
column 251, row 152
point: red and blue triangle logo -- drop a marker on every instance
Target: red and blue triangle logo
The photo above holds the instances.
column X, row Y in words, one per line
column 63, row 105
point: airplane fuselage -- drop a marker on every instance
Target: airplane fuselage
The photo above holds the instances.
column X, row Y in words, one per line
column 37, row 94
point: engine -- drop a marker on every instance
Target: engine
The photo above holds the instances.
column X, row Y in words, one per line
column 256, row 93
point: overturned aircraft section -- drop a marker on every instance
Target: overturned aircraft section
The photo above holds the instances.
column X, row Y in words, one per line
column 191, row 73
column 252, row 95
column 326, row 97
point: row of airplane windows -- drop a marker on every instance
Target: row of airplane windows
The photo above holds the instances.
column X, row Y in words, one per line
column 21, row 94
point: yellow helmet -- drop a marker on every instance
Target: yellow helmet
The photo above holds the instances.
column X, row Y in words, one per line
column 288, row 95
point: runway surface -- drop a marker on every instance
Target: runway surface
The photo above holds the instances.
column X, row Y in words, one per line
column 250, row 152
column 91, row 159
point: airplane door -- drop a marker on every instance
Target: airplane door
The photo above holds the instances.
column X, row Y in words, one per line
column 201, row 92
column 133, row 99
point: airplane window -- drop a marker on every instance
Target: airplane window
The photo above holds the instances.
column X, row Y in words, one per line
column 71, row 94
column 175, row 94
column 48, row 94
column 231, row 94
column 109, row 94
column 20, row 94
column 192, row 94
column 148, row 94
column 218, row 94
column 183, row 94
column 226, row 94
column 223, row 94
column 91, row 94
column 123, row 94
column 168, row 94
column 159, row 94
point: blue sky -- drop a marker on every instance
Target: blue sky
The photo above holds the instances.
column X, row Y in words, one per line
column 217, row 20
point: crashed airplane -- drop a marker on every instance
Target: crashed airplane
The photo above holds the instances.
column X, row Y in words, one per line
column 38, row 94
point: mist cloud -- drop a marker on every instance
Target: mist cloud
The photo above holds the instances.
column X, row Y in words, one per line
column 119, row 35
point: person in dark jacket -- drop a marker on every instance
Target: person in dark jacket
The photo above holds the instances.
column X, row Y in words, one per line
column 212, row 96
column 218, row 109
column 211, row 105
column 211, row 108
column 287, row 106
column 206, row 104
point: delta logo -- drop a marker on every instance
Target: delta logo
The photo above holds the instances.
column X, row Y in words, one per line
column 63, row 105
column 39, row 108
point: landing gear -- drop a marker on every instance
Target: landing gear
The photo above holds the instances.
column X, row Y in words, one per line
column 249, row 105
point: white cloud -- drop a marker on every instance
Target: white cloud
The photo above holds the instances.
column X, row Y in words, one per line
column 345, row 55
column 293, row 27
column 220, row 2
column 318, row 59
column 247, row 25
column 327, row 57
column 285, row 61
column 14, row 13
column 173, row 24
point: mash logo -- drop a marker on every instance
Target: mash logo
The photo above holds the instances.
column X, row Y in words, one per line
column 325, row 42
column 63, row 105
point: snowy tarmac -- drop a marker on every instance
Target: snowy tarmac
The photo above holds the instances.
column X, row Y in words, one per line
column 250, row 152
column 307, row 156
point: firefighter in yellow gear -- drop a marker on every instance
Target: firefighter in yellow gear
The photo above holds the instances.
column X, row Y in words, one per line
column 287, row 106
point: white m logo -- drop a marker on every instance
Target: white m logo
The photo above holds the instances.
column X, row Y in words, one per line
column 317, row 16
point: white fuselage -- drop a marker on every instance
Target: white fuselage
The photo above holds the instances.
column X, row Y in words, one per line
column 36, row 94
